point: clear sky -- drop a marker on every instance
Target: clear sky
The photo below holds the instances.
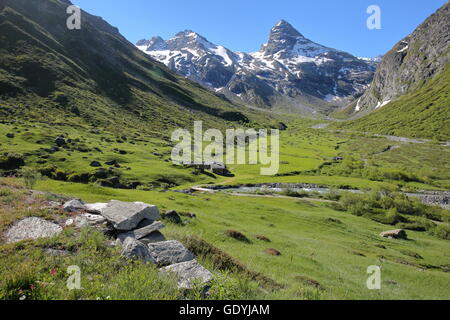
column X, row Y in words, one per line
column 243, row 25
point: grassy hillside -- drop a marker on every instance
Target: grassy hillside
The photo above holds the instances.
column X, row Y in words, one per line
column 94, row 77
column 424, row 113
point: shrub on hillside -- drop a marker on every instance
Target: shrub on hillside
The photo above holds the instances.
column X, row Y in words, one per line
column 30, row 176
column 11, row 161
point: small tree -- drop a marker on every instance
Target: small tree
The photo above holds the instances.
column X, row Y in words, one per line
column 30, row 177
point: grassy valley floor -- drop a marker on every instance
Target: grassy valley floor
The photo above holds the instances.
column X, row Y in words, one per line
column 325, row 252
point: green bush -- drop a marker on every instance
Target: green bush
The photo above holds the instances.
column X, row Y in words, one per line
column 11, row 161
column 442, row 231
column 30, row 176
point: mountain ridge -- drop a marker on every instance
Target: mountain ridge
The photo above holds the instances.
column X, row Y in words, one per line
column 288, row 70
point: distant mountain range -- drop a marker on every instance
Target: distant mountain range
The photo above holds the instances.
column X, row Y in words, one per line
column 289, row 70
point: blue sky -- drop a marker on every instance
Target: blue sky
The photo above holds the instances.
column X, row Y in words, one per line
column 243, row 25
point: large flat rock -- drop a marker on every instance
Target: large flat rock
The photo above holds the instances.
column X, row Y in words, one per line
column 189, row 273
column 126, row 216
column 141, row 233
column 32, row 228
column 170, row 252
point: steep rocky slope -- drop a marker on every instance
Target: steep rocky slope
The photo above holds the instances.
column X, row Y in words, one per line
column 410, row 93
column 412, row 61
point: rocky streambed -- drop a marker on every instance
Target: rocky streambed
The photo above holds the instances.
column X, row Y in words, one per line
column 439, row 198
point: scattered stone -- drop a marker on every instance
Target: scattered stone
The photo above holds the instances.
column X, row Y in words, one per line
column 237, row 235
column 126, row 216
column 136, row 250
column 273, row 252
column 60, row 141
column 263, row 238
column 173, row 217
column 395, row 234
column 95, row 164
column 112, row 163
column 74, row 205
column 69, row 222
column 189, row 273
column 170, row 252
column 138, row 234
column 95, row 208
column 32, row 228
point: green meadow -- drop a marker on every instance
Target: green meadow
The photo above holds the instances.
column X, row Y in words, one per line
column 325, row 249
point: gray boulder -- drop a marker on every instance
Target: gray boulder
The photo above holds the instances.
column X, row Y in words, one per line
column 189, row 273
column 74, row 205
column 126, row 216
column 173, row 217
column 170, row 252
column 395, row 234
column 138, row 234
column 153, row 237
column 136, row 250
column 32, row 228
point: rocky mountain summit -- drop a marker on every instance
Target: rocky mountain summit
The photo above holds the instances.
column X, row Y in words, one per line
column 412, row 61
column 289, row 70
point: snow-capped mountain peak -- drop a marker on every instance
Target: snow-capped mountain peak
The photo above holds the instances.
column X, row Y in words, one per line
column 288, row 68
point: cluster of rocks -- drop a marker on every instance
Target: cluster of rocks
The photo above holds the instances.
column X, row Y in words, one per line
column 134, row 226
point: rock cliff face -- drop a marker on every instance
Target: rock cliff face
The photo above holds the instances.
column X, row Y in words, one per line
column 415, row 59
column 289, row 69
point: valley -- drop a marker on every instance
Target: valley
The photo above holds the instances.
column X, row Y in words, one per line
column 325, row 251
column 363, row 174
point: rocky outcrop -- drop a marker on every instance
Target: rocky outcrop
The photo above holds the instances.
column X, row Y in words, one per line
column 133, row 225
column 32, row 228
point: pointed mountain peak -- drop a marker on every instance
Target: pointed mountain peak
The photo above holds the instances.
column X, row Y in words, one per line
column 283, row 23
column 284, row 28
